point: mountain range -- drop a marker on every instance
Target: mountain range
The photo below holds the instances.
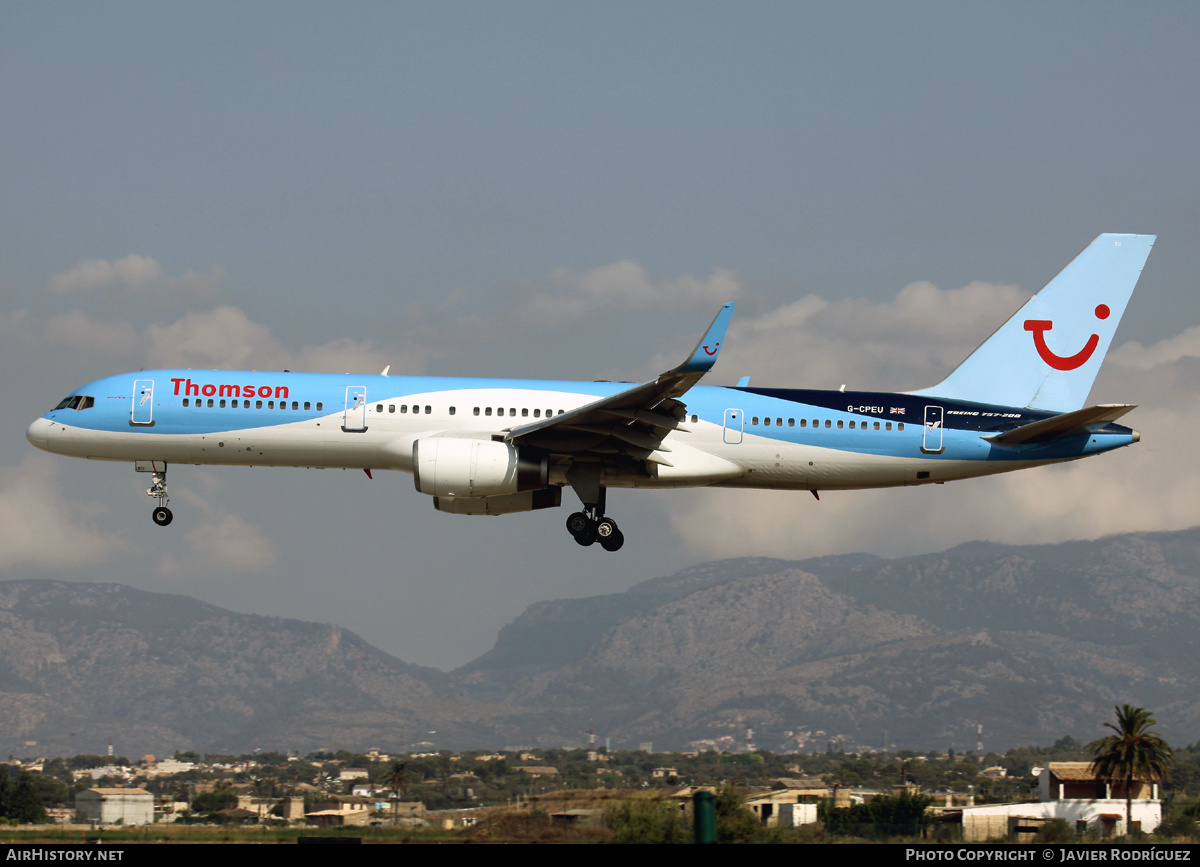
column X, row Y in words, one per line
column 1031, row 642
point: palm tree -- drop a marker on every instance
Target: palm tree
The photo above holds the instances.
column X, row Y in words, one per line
column 1131, row 753
column 396, row 779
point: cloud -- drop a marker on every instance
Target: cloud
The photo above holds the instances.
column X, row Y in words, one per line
column 80, row 332
column 225, row 338
column 135, row 274
column 910, row 342
column 220, row 338
column 41, row 527
column 219, row 544
column 626, row 286
column 1137, row 357
column 19, row 329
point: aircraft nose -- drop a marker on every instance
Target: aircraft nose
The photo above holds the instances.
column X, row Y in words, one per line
column 38, row 432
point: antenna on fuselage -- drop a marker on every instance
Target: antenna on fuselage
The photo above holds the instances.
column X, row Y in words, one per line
column 385, row 370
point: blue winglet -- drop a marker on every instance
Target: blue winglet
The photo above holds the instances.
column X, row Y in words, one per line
column 704, row 356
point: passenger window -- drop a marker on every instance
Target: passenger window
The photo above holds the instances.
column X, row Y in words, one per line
column 378, row 407
column 525, row 412
column 258, row 404
column 537, row 413
column 695, row 418
column 778, row 422
column 887, row 425
column 851, row 425
column 428, row 410
column 210, row 403
column 475, row 411
column 270, row 404
column 222, row 404
column 754, row 420
column 828, row 423
column 876, row 425
column 512, row 411
column 899, row 425
column 296, row 405
column 487, row 411
column 451, row 410
column 839, row 424
column 308, row 406
column 767, row 422
column 803, row 422
column 403, row 408
column 185, row 402
column 319, row 406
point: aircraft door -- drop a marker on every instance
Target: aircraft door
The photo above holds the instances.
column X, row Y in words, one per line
column 355, row 418
column 931, row 442
column 734, row 422
column 142, row 411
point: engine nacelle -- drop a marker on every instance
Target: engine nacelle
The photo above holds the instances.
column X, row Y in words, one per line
column 460, row 467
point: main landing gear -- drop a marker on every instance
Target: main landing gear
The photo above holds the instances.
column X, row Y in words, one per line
column 589, row 529
column 590, row 526
column 158, row 490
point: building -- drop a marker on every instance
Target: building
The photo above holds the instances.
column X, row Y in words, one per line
column 113, row 806
column 1071, row 792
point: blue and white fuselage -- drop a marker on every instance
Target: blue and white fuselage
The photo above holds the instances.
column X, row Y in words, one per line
column 490, row 446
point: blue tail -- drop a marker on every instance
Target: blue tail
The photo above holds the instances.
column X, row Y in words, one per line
column 1047, row 355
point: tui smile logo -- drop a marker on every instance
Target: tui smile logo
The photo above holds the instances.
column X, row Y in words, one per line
column 1039, row 327
column 712, row 351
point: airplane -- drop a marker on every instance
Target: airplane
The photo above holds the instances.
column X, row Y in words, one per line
column 494, row 446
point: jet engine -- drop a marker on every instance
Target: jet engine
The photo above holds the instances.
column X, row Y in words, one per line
column 459, row 467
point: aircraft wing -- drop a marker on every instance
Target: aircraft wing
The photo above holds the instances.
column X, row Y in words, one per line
column 1070, row 424
column 634, row 422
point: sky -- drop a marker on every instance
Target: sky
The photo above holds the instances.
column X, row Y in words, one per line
column 570, row 190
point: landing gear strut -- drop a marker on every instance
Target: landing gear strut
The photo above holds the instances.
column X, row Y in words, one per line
column 590, row 526
column 158, row 490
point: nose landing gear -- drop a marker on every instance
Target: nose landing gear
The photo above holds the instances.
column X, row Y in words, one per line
column 158, row 490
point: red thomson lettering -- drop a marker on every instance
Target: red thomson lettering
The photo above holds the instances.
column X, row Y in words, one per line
column 192, row 389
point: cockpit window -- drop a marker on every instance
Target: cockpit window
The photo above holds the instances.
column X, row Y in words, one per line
column 76, row 401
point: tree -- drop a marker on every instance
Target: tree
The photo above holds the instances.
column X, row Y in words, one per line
column 646, row 819
column 396, row 779
column 1131, row 753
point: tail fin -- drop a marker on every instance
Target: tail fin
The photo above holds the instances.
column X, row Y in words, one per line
column 1047, row 355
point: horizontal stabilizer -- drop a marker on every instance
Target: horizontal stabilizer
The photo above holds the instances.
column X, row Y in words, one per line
column 1072, row 424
